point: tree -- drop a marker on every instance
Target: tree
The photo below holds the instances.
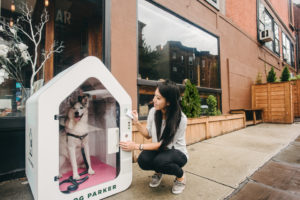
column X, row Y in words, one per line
column 14, row 53
column 148, row 60
column 13, row 57
column 285, row 75
column 212, row 105
column 271, row 76
column 191, row 102
column 258, row 78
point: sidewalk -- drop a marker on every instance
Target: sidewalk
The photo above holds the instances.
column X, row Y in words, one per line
column 218, row 168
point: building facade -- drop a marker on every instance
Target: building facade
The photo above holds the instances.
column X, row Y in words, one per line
column 297, row 30
column 220, row 45
column 215, row 44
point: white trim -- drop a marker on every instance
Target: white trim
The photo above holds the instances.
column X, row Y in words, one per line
column 214, row 4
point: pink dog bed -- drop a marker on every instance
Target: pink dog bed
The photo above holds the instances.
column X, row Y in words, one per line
column 103, row 173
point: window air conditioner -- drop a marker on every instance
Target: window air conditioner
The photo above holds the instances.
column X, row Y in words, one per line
column 266, row 35
column 285, row 56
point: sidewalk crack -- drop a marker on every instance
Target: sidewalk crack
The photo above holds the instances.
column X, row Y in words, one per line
column 211, row 180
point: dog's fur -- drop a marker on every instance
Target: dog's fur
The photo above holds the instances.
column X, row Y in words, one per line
column 75, row 123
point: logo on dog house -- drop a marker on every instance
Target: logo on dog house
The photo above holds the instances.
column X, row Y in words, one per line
column 73, row 127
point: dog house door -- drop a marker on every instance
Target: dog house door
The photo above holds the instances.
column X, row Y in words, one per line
column 89, row 128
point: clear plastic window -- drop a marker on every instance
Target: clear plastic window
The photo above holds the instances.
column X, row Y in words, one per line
column 89, row 118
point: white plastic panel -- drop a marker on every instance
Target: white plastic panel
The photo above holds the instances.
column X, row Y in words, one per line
column 112, row 140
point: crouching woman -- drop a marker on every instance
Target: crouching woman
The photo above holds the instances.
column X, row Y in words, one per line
column 166, row 125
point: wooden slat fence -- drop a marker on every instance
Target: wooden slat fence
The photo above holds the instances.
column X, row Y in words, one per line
column 296, row 97
column 276, row 100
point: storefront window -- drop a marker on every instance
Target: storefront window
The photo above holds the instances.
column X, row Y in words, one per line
column 172, row 48
column 178, row 51
column 15, row 70
column 78, row 24
column 146, row 100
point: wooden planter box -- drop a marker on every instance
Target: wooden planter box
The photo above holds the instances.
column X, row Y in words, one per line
column 276, row 100
column 296, row 97
column 199, row 129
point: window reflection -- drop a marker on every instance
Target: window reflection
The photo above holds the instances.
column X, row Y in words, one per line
column 170, row 48
column 13, row 94
column 78, row 23
column 146, row 100
column 287, row 50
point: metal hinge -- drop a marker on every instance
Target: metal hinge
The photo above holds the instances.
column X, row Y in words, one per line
column 57, row 117
column 56, row 178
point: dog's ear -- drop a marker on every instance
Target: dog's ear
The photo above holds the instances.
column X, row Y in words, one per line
column 71, row 101
column 85, row 99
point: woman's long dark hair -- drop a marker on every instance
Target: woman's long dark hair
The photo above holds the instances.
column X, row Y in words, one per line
column 173, row 113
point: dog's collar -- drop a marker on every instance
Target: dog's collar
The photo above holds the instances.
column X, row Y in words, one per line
column 77, row 136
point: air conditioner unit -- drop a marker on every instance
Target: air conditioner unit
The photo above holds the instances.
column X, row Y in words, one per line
column 266, row 35
column 285, row 56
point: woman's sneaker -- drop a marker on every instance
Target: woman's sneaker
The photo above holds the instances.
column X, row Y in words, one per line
column 155, row 180
column 178, row 186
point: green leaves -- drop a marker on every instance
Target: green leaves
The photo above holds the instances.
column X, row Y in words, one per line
column 212, row 105
column 271, row 76
column 285, row 75
column 191, row 102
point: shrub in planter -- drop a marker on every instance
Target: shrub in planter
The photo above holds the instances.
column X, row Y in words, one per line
column 285, row 76
column 191, row 104
column 212, row 106
column 295, row 78
column 271, row 76
column 258, row 78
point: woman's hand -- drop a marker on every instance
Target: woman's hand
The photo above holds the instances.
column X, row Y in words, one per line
column 129, row 146
column 135, row 117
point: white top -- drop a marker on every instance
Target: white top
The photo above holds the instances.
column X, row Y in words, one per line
column 179, row 138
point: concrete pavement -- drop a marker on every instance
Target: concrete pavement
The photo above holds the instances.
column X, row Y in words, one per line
column 218, row 168
column 278, row 179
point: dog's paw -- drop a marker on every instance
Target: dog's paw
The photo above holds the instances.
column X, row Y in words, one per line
column 76, row 176
column 91, row 171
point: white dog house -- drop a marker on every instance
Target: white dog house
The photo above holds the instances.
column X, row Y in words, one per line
column 107, row 125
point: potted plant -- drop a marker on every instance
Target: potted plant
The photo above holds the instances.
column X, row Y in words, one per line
column 212, row 106
column 191, row 102
column 285, row 75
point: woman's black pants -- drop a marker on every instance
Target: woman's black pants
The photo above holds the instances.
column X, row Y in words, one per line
column 168, row 161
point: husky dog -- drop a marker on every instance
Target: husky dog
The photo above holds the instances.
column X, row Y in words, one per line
column 74, row 137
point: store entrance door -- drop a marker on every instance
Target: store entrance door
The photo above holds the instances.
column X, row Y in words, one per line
column 79, row 25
